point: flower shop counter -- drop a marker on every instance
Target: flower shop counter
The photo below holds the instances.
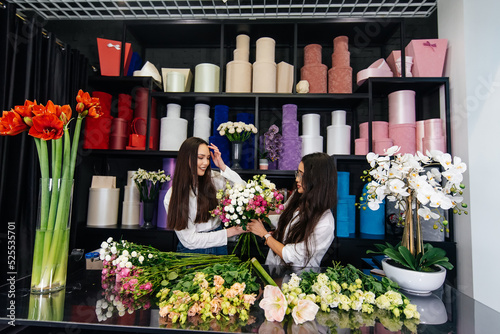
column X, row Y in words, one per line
column 444, row 311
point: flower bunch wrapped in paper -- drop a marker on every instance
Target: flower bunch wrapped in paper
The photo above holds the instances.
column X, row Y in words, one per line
column 137, row 271
column 342, row 288
column 244, row 202
column 218, row 291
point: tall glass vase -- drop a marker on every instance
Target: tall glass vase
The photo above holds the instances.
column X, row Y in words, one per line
column 47, row 307
column 50, row 252
column 148, row 212
column 236, row 153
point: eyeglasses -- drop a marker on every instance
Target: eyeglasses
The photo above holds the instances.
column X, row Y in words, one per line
column 299, row 174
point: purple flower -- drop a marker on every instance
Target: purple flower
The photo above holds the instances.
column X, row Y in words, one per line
column 271, row 143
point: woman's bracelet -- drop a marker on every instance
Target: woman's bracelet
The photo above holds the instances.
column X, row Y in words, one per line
column 266, row 236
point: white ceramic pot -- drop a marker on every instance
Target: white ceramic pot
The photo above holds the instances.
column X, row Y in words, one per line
column 415, row 281
column 431, row 308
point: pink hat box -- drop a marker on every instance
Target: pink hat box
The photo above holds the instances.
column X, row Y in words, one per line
column 438, row 144
column 380, row 130
column 403, row 135
column 381, row 145
column 402, row 107
column 419, row 135
column 378, row 69
column 361, row 146
column 428, row 56
column 433, row 128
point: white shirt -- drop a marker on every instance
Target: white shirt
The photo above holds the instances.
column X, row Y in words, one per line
column 198, row 235
column 319, row 242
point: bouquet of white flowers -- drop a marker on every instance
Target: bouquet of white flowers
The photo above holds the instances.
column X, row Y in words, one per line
column 149, row 183
column 244, row 202
column 236, row 131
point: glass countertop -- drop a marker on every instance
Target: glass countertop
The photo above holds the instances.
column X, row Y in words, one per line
column 85, row 305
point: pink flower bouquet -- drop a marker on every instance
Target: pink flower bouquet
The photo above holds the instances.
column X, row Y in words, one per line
column 244, row 202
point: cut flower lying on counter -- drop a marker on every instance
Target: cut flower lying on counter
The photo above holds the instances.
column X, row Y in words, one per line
column 210, row 287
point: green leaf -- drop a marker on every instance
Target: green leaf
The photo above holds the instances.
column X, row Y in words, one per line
column 164, row 283
column 172, row 275
column 396, row 256
column 409, row 258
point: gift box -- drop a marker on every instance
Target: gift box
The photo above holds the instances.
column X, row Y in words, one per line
column 138, row 142
column 109, row 56
column 428, row 56
column 97, row 131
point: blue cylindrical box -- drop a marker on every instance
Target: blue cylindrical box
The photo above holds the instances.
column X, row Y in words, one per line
column 372, row 222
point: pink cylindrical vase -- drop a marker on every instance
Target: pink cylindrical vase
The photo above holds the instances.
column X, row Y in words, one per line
column 381, row 145
column 403, row 135
column 380, row 130
column 433, row 128
column 361, row 146
column 419, row 136
column 402, row 107
column 437, row 144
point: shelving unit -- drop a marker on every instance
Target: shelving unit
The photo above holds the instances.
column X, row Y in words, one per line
column 186, row 43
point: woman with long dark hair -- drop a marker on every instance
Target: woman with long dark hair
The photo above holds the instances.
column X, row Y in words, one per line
column 305, row 228
column 193, row 194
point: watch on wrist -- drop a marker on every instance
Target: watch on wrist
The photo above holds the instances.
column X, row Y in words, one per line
column 267, row 235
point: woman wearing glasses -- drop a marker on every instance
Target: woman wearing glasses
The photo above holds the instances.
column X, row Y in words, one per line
column 305, row 228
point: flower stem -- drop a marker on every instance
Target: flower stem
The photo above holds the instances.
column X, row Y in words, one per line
column 56, row 174
column 263, row 272
column 41, row 147
column 58, row 241
column 74, row 147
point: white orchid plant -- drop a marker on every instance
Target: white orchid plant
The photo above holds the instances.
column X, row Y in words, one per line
column 423, row 183
column 237, row 131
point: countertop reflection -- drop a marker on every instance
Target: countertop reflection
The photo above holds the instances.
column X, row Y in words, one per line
column 85, row 305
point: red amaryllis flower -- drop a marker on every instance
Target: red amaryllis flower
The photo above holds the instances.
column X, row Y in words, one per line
column 88, row 102
column 11, row 123
column 95, row 112
column 46, row 127
column 26, row 110
column 64, row 113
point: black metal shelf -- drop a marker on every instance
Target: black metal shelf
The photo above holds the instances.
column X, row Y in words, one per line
column 385, row 86
column 129, row 153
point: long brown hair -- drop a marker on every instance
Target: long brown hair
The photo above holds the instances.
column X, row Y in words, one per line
column 185, row 179
column 319, row 182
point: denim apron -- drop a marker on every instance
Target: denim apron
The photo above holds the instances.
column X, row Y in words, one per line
column 221, row 250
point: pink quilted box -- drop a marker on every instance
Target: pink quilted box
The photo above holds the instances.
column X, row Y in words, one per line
column 428, row 56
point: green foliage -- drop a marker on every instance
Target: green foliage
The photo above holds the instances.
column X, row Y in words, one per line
column 421, row 262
